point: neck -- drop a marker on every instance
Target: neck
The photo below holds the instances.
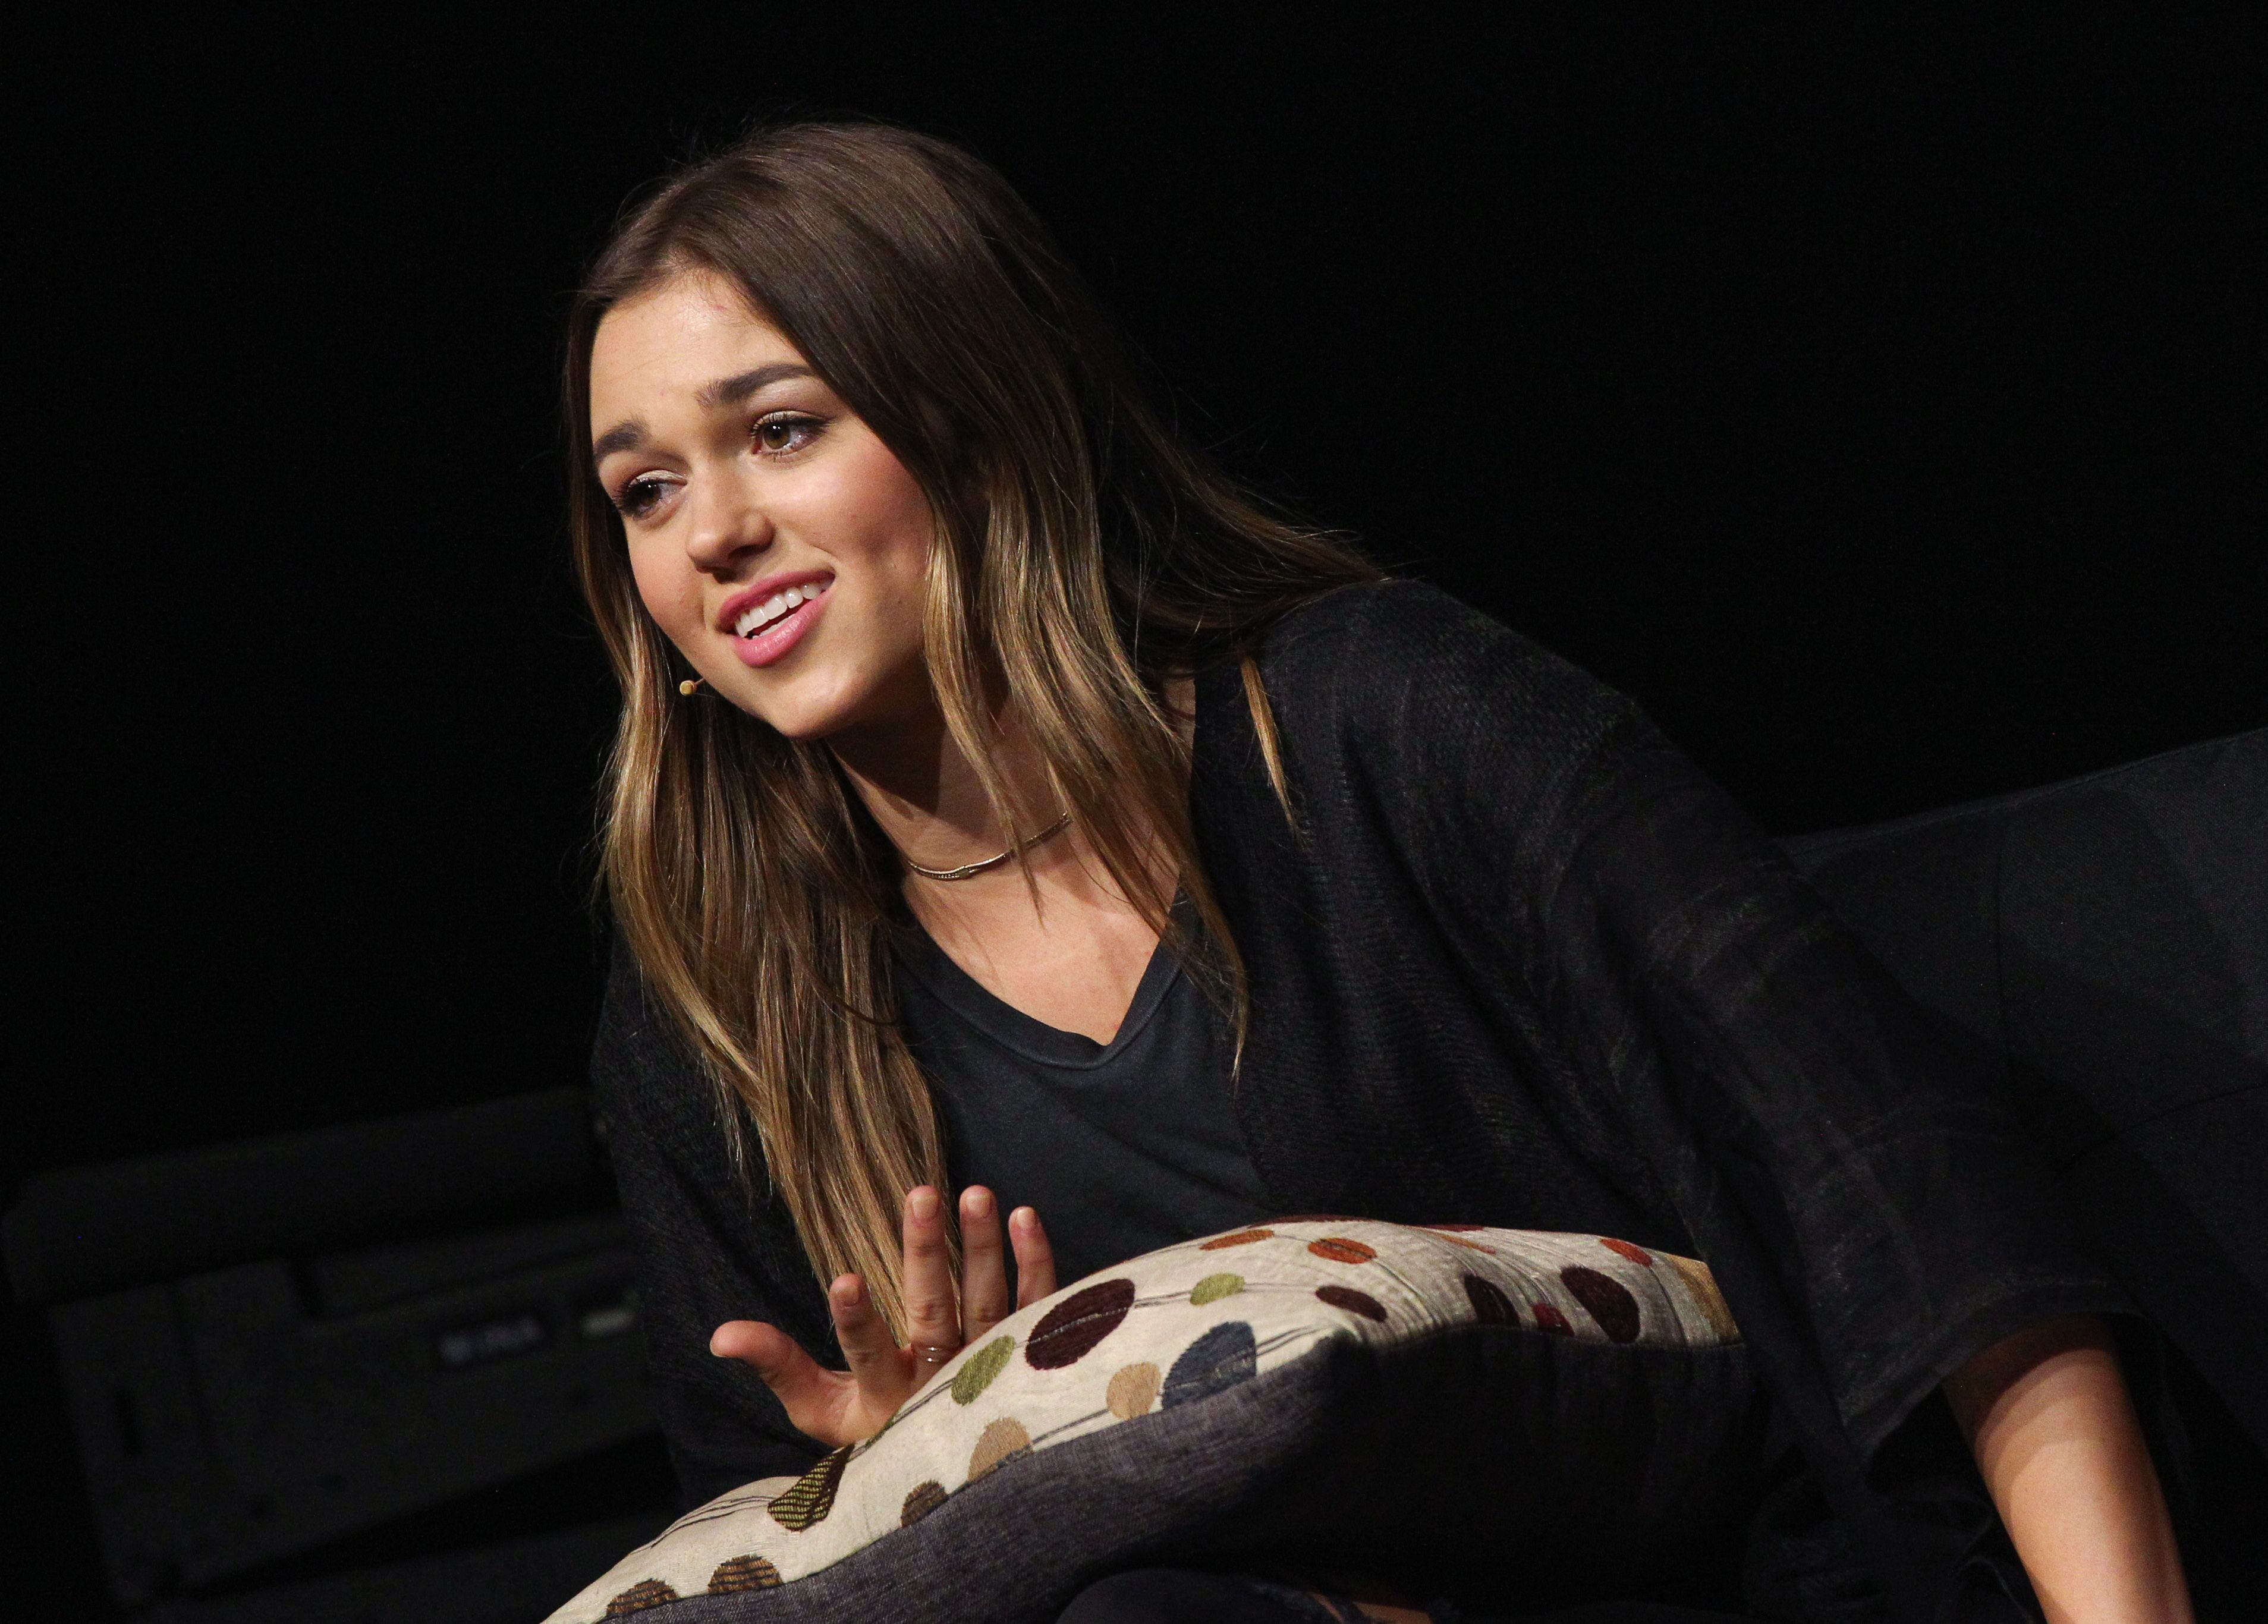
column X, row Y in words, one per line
column 925, row 795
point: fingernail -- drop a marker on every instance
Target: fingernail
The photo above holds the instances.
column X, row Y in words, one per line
column 1023, row 1218
column 977, row 1203
column 923, row 1204
column 848, row 1291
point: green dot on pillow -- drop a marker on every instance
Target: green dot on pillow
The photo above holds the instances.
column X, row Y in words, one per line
column 1212, row 1287
column 986, row 1363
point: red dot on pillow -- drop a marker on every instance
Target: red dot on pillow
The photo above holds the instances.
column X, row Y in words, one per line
column 1490, row 1306
column 1607, row 1301
column 1242, row 1237
column 1338, row 1249
column 1074, row 1325
column 1354, row 1302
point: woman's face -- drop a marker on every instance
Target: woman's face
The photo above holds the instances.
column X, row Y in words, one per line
column 775, row 540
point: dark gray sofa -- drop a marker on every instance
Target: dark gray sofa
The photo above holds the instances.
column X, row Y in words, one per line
column 2107, row 938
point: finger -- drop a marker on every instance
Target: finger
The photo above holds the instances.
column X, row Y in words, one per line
column 809, row 1393
column 983, row 1264
column 877, row 1363
column 1036, row 1258
column 933, row 1318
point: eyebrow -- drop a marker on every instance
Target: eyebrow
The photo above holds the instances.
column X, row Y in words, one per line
column 733, row 391
column 629, row 434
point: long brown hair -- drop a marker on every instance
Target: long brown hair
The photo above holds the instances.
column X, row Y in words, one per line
column 1084, row 557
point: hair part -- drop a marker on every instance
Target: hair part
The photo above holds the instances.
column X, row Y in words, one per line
column 1084, row 557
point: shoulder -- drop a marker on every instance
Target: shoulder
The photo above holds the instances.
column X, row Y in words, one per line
column 1399, row 665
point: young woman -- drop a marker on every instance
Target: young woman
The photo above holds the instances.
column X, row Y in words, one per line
column 1002, row 803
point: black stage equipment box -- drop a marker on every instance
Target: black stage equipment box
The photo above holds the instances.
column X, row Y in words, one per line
column 267, row 1348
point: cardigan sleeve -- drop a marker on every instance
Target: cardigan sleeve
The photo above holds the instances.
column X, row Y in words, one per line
column 1850, row 1156
column 1846, row 1162
column 709, row 1248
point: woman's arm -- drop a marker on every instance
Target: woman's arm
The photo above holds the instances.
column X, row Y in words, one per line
column 2048, row 1415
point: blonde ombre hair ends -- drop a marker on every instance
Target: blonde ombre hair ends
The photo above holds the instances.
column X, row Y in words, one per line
column 1083, row 558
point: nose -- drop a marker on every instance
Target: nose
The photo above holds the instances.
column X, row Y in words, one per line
column 728, row 526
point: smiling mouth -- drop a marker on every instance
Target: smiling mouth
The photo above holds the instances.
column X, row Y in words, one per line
column 779, row 607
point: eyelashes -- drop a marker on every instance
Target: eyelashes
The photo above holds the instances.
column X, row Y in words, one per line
column 799, row 429
column 639, row 497
column 775, row 433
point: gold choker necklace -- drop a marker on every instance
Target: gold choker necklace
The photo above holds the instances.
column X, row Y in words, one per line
column 968, row 869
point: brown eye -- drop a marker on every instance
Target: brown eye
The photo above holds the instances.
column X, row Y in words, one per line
column 784, row 431
column 638, row 499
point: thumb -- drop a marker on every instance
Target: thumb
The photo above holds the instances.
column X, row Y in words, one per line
column 805, row 1388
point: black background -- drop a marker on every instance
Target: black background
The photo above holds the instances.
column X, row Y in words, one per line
column 1880, row 402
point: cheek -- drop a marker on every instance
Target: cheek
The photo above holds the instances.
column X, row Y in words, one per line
column 870, row 504
column 669, row 589
column 890, row 517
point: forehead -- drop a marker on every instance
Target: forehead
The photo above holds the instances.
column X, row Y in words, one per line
column 662, row 346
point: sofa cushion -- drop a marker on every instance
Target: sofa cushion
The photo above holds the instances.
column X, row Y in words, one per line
column 1453, row 1406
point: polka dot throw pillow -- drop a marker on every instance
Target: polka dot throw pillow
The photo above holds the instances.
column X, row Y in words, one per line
column 1448, row 1407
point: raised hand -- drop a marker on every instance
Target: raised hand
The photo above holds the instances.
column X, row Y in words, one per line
column 843, row 1406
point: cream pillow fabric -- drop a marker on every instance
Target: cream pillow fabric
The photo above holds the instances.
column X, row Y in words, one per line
column 1368, row 1394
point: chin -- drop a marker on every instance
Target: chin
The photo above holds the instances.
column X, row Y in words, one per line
column 805, row 719
column 789, row 723
column 816, row 704
column 802, row 731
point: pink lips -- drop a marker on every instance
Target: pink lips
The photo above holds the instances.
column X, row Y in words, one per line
column 776, row 639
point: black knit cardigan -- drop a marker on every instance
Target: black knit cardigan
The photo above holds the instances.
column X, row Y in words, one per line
column 1520, row 963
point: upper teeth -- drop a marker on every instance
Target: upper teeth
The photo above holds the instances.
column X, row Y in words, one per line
column 756, row 617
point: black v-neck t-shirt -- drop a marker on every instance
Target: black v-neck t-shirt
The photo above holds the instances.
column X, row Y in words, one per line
column 1122, row 1147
